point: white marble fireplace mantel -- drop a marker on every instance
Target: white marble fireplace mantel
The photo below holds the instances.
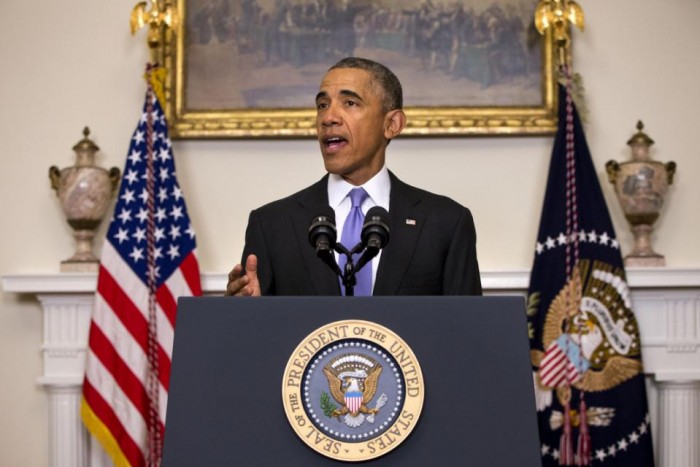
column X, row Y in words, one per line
column 666, row 302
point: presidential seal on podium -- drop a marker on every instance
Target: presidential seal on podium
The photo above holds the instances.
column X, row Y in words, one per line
column 353, row 390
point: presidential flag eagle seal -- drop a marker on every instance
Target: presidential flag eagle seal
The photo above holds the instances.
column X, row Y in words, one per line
column 353, row 390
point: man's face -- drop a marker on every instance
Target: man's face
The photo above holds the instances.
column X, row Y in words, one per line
column 351, row 125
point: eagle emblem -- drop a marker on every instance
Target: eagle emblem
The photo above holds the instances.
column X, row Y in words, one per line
column 353, row 381
column 592, row 347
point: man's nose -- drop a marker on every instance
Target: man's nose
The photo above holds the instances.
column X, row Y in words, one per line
column 331, row 116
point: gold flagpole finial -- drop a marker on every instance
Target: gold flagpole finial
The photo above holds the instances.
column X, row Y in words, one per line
column 557, row 14
column 159, row 18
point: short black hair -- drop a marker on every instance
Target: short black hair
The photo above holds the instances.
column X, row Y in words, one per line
column 391, row 86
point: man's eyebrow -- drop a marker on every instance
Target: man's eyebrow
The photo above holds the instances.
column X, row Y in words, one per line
column 344, row 92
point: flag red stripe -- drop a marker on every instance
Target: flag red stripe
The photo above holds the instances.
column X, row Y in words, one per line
column 122, row 307
column 164, row 366
column 190, row 270
column 104, row 412
column 129, row 383
column 167, row 303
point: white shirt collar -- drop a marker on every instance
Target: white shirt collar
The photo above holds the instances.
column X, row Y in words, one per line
column 378, row 188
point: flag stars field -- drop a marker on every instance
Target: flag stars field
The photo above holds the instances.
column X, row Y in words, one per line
column 122, row 235
column 138, row 138
column 125, row 216
column 135, row 157
column 136, row 254
column 142, row 216
column 144, row 196
column 176, row 213
column 164, row 175
column 162, row 194
column 139, row 234
column 160, row 215
column 128, row 196
column 131, row 176
column 173, row 252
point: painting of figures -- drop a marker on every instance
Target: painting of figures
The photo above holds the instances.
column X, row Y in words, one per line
column 268, row 56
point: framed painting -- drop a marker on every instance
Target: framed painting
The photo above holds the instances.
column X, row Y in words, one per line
column 251, row 68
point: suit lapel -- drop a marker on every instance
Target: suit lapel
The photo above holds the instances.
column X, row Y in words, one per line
column 406, row 222
column 322, row 279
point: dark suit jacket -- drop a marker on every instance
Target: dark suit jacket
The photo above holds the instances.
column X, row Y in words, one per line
column 436, row 255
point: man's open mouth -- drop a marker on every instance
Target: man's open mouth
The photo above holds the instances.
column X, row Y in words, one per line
column 332, row 142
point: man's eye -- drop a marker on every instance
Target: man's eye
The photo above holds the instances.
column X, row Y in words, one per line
column 350, row 103
column 321, row 106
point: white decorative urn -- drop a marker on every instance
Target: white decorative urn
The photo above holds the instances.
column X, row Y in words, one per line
column 84, row 191
column 640, row 185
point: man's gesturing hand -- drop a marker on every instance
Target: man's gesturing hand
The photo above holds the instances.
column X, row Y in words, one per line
column 244, row 283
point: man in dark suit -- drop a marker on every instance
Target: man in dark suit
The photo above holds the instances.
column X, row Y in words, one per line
column 432, row 247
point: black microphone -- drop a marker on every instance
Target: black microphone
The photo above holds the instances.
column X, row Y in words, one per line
column 323, row 235
column 375, row 234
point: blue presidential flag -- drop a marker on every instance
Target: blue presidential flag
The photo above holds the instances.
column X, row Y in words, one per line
column 584, row 339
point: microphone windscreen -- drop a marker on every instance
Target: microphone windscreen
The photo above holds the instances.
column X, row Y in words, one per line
column 322, row 226
column 378, row 212
column 376, row 227
column 324, row 211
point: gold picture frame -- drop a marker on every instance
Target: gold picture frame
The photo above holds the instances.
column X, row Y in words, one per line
column 230, row 77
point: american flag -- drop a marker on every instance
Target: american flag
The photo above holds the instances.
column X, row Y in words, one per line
column 148, row 261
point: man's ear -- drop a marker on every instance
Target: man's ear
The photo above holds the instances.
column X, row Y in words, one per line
column 394, row 123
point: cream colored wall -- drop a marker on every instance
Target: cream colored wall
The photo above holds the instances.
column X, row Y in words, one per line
column 70, row 64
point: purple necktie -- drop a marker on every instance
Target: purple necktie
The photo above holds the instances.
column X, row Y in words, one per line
column 351, row 237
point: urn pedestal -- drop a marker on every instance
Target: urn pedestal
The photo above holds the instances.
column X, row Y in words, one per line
column 640, row 186
column 84, row 191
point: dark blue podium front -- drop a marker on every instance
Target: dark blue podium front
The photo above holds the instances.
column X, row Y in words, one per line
column 225, row 406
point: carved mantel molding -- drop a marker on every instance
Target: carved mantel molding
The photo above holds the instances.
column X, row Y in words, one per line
column 666, row 302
